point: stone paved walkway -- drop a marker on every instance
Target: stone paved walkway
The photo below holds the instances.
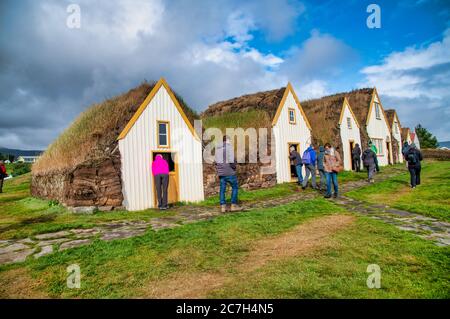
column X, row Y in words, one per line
column 425, row 227
column 12, row 251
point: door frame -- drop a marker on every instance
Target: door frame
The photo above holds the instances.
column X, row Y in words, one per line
column 350, row 142
column 289, row 160
column 175, row 174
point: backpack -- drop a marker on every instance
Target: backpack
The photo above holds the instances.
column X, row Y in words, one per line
column 367, row 156
column 412, row 158
column 306, row 158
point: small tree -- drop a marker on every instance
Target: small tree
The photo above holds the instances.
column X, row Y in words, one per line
column 426, row 139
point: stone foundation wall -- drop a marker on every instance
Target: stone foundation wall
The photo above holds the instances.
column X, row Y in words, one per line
column 92, row 183
column 249, row 177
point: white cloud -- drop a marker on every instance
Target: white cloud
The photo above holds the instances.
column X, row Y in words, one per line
column 414, row 82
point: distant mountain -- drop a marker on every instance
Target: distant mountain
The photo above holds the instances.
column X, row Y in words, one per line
column 444, row 144
column 10, row 151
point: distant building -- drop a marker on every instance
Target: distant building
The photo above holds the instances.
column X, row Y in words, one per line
column 27, row 159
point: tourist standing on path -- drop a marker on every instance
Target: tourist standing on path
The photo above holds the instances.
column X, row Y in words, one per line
column 414, row 157
column 295, row 157
column 356, row 158
column 160, row 171
column 226, row 170
column 309, row 160
column 332, row 165
column 320, row 167
column 369, row 161
column 3, row 175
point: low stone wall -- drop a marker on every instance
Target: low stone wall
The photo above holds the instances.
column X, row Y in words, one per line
column 249, row 177
column 92, row 183
column 437, row 154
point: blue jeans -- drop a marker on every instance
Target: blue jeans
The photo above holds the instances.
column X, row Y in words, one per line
column 298, row 169
column 331, row 177
column 233, row 181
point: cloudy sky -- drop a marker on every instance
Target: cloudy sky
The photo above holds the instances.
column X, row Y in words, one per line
column 214, row 50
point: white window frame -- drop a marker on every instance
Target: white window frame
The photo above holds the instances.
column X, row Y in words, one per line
column 167, row 134
column 293, row 121
column 349, row 123
column 377, row 110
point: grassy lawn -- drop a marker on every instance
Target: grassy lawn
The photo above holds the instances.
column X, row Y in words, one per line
column 22, row 215
column 305, row 249
column 411, row 267
column 431, row 198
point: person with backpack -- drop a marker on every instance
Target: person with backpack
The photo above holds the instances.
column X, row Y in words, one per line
column 414, row 157
column 369, row 161
column 356, row 157
column 332, row 165
column 320, row 168
column 309, row 160
column 294, row 156
column 3, row 175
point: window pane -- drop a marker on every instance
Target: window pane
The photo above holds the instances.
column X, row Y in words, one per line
column 162, row 139
column 349, row 122
column 162, row 128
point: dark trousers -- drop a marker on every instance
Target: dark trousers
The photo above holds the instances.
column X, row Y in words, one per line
column 357, row 164
column 162, row 184
column 1, row 184
column 415, row 175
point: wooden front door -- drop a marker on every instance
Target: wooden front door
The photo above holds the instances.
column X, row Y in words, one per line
column 173, row 188
column 352, row 146
column 388, row 152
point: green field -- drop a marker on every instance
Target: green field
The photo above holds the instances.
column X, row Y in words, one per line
column 305, row 249
column 431, row 198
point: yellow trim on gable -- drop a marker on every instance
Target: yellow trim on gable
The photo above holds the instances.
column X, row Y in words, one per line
column 283, row 100
column 382, row 109
column 148, row 99
column 351, row 111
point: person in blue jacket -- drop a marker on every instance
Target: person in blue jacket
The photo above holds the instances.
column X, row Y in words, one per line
column 309, row 160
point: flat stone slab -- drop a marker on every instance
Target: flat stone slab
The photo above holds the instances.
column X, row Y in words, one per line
column 59, row 234
column 52, row 241
column 45, row 251
column 15, row 256
column 74, row 243
column 13, row 248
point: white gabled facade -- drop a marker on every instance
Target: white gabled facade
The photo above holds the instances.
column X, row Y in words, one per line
column 286, row 131
column 416, row 140
column 139, row 141
column 349, row 130
column 396, row 133
column 378, row 130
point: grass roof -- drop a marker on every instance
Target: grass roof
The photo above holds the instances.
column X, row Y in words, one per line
column 390, row 114
column 405, row 133
column 323, row 115
column 250, row 110
column 94, row 133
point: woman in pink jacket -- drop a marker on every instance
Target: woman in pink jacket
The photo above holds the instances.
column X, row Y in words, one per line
column 160, row 171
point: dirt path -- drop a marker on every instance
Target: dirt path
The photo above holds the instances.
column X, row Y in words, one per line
column 309, row 236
